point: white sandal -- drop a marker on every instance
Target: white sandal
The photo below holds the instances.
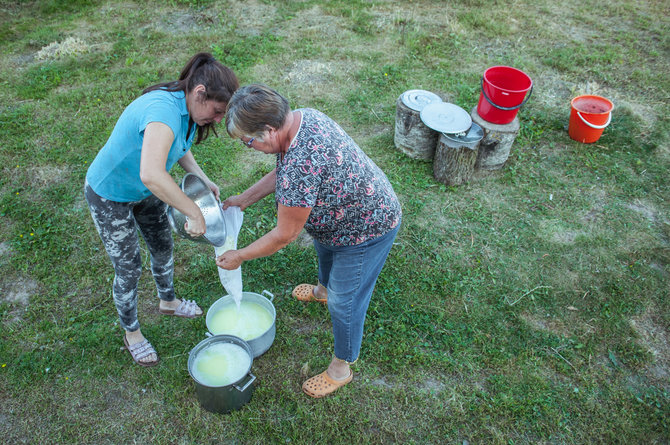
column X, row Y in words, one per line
column 141, row 350
column 186, row 309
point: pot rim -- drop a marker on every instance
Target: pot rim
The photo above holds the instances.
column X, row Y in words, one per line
column 225, row 300
column 221, row 338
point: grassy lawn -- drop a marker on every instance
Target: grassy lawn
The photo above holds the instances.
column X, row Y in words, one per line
column 529, row 305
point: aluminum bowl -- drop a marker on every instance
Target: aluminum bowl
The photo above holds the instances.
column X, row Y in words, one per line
column 196, row 189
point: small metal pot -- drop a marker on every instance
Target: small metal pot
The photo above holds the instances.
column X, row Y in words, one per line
column 467, row 139
column 196, row 189
column 262, row 343
column 223, row 399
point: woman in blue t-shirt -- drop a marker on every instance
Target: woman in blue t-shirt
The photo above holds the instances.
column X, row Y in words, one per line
column 323, row 182
column 128, row 186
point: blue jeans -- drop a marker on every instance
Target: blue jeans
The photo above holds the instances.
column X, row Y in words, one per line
column 350, row 273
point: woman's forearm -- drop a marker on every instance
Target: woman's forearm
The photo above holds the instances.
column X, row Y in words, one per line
column 290, row 221
column 260, row 190
column 266, row 245
column 161, row 184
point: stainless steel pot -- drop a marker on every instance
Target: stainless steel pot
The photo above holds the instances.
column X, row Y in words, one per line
column 467, row 139
column 196, row 189
column 262, row 343
column 223, row 399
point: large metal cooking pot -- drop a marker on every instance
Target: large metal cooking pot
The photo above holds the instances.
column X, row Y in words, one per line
column 196, row 189
column 262, row 343
column 223, row 399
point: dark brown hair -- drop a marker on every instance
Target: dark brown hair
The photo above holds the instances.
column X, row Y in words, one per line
column 220, row 83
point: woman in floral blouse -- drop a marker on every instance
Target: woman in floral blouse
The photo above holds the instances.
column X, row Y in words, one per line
column 325, row 183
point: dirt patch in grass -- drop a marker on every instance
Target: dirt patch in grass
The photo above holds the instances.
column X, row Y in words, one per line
column 309, row 72
column 305, row 80
column 643, row 208
column 556, row 232
column 250, row 17
column 19, row 291
column 568, row 325
column 553, row 325
column 5, row 249
column 432, row 384
column 654, row 336
column 314, row 22
column 48, row 174
column 179, row 22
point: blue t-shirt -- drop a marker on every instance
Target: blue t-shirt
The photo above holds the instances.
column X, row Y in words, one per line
column 114, row 174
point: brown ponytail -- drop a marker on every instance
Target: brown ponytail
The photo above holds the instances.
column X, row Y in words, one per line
column 220, row 83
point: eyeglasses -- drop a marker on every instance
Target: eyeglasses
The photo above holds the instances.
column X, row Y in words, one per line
column 249, row 142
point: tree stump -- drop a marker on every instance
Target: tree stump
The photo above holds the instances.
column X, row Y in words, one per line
column 454, row 163
column 412, row 136
column 495, row 147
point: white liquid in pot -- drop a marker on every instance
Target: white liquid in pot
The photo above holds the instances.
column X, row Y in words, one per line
column 251, row 320
column 221, row 364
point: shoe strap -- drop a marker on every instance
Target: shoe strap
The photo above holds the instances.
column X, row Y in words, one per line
column 141, row 350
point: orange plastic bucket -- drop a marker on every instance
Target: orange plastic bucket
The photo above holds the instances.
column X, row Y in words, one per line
column 503, row 92
column 589, row 115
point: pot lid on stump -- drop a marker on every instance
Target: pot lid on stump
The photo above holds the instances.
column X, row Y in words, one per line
column 418, row 99
column 446, row 118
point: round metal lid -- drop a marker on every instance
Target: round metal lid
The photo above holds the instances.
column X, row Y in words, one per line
column 446, row 117
column 474, row 134
column 418, row 99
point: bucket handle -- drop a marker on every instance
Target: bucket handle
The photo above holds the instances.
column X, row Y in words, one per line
column 507, row 108
column 246, row 385
column 267, row 292
column 597, row 127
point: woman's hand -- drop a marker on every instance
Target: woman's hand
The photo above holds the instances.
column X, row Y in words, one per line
column 214, row 188
column 235, row 201
column 189, row 164
column 195, row 226
column 230, row 260
column 253, row 194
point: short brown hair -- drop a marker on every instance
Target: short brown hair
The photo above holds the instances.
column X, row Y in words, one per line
column 253, row 108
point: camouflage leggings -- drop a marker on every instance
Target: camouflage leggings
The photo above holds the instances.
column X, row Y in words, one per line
column 117, row 224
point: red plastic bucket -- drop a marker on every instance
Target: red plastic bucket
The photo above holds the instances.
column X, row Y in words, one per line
column 589, row 115
column 503, row 92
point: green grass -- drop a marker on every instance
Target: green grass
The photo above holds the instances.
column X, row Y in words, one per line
column 529, row 305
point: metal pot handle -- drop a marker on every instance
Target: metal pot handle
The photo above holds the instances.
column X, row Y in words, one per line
column 209, row 334
column 252, row 379
column 505, row 108
column 267, row 292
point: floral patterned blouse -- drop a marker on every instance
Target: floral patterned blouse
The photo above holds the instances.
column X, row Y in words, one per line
column 352, row 201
